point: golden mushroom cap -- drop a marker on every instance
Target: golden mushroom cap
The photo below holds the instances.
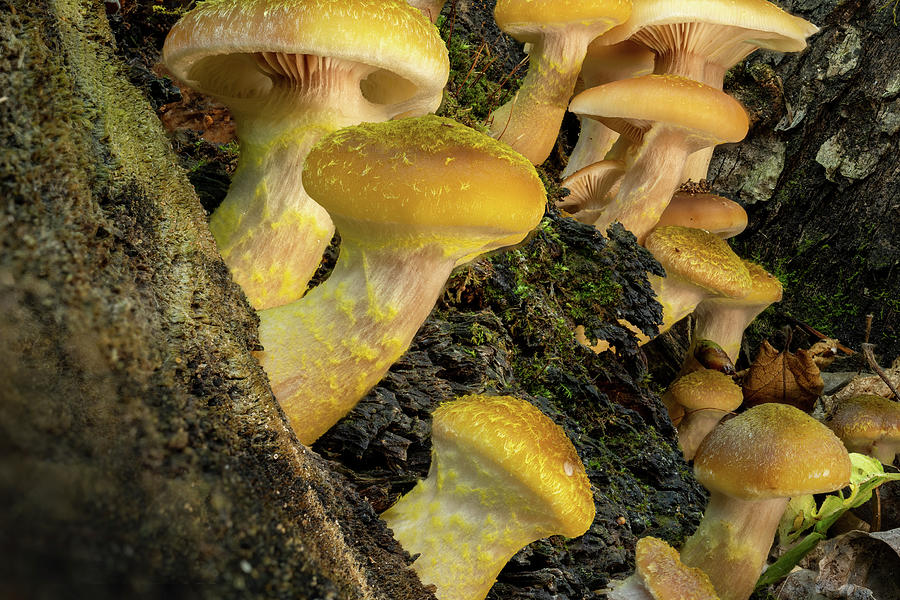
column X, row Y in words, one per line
column 715, row 214
column 525, row 20
column 866, row 418
column 431, row 175
column 515, row 436
column 659, row 567
column 701, row 257
column 771, row 451
column 707, row 389
column 768, row 26
column 766, row 287
column 212, row 47
column 703, row 111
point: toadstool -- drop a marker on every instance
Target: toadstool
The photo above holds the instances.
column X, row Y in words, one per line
column 502, row 475
column 752, row 465
column 868, row 424
column 411, row 199
column 291, row 71
column 698, row 401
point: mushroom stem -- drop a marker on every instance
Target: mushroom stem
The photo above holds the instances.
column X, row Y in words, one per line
column 716, row 321
column 651, row 178
column 594, row 140
column 732, row 542
column 530, row 121
column 694, row 426
column 340, row 340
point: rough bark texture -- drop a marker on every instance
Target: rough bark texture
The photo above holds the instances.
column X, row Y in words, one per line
column 819, row 172
column 141, row 451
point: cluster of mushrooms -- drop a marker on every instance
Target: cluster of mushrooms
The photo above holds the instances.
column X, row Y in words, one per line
column 332, row 103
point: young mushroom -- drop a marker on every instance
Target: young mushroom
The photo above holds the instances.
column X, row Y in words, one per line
column 868, row 424
column 672, row 117
column 697, row 402
column 411, row 199
column 559, row 32
column 698, row 266
column 659, row 574
column 720, row 216
column 291, row 71
column 502, row 475
column 752, row 465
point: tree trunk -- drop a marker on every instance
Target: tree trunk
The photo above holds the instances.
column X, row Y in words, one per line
column 820, row 170
column 141, row 451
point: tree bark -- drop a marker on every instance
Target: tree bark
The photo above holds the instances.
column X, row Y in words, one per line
column 141, row 451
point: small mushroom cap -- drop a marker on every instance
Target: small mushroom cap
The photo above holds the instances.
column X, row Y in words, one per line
column 527, row 20
column 715, row 214
column 766, row 287
column 866, row 418
column 771, row 451
column 430, row 175
column 768, row 26
column 665, row 577
column 709, row 115
column 701, row 257
column 404, row 49
column 517, row 437
column 707, row 389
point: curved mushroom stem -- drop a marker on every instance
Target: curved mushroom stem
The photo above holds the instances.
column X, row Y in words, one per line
column 594, row 140
column 530, row 122
column 652, row 177
column 678, row 297
column 270, row 232
column 724, row 323
column 465, row 522
column 732, row 542
column 324, row 352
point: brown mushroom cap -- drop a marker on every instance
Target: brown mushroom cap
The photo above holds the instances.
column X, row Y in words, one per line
column 706, row 389
column 522, row 441
column 708, row 115
column 660, row 569
column 772, row 450
column 866, row 418
column 527, row 20
column 481, row 197
column 216, row 47
column 715, row 214
column 701, row 257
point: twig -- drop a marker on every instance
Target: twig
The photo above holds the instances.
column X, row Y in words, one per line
column 876, row 520
column 869, row 352
column 809, row 329
column 482, row 46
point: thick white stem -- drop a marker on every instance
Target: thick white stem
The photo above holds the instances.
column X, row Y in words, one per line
column 653, row 175
column 732, row 542
column 323, row 353
column 724, row 323
column 677, row 296
column 530, row 122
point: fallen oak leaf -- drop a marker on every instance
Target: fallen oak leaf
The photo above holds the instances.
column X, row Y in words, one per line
column 783, row 377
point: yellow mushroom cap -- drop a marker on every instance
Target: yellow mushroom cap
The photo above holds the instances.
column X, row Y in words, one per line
column 517, row 437
column 707, row 389
column 431, row 175
column 772, row 451
column 867, row 418
column 665, row 577
column 771, row 27
column 706, row 113
column 701, row 257
column 396, row 39
column 526, row 19
column 715, row 214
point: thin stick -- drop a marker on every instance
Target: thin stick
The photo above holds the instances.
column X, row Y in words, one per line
column 869, row 318
column 822, row 336
column 475, row 60
column 869, row 352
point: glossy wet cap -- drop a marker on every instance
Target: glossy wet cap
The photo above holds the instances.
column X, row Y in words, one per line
column 525, row 19
column 706, row 389
column 429, row 174
column 701, row 257
column 702, row 111
column 720, row 216
column 771, row 451
column 517, row 437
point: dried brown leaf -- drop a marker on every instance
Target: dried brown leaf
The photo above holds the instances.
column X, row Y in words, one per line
column 783, row 377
